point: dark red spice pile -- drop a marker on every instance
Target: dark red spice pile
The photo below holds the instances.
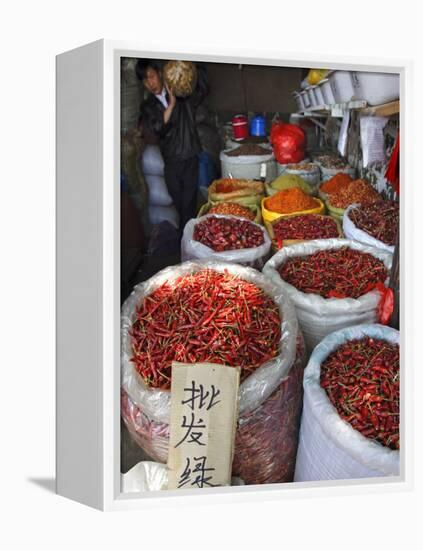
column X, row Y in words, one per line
column 248, row 149
column 204, row 317
column 361, row 379
column 337, row 273
column 222, row 234
column 307, row 226
column 379, row 219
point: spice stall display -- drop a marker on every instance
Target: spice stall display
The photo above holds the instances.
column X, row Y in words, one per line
column 222, row 313
column 350, row 421
column 356, row 192
column 288, row 230
column 241, row 191
column 246, row 161
column 225, row 238
column 375, row 224
column 290, row 201
column 251, row 212
column 287, row 181
column 333, row 283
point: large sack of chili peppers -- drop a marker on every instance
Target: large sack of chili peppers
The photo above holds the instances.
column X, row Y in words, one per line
column 334, row 283
column 222, row 313
column 375, row 224
column 226, row 239
column 350, row 420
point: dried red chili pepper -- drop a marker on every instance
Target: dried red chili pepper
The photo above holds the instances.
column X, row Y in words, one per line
column 307, row 226
column 370, row 403
column 337, row 273
column 379, row 219
column 222, row 234
column 207, row 316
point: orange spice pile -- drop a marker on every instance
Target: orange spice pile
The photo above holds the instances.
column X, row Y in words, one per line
column 290, row 200
column 336, row 183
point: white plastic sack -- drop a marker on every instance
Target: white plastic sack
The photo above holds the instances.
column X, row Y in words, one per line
column 158, row 195
column 255, row 389
column 356, row 234
column 330, row 448
column 247, row 166
column 318, row 316
column 194, row 250
column 159, row 214
column 152, row 161
column 152, row 476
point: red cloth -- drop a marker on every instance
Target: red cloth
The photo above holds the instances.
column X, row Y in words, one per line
column 392, row 173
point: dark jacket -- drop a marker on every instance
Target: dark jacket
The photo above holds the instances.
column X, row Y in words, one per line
column 178, row 139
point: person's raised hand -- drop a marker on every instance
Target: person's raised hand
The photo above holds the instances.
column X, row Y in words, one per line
column 172, row 98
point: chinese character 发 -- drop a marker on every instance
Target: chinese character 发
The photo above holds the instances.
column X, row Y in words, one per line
column 201, row 395
column 194, row 436
column 198, row 474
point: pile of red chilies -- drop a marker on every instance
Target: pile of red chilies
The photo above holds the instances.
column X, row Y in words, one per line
column 307, row 226
column 337, row 273
column 380, row 220
column 361, row 379
column 222, row 234
column 208, row 316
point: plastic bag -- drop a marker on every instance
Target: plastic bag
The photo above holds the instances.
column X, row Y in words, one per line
column 181, row 77
column 289, row 142
column 152, row 161
column 152, row 476
column 329, row 447
column 159, row 214
column 356, row 234
column 320, row 316
column 194, row 250
column 146, row 411
column 248, row 166
column 158, row 195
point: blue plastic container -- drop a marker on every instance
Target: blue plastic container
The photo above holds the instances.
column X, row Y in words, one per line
column 206, row 170
column 258, row 126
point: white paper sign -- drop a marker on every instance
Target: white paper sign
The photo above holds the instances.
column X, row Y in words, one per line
column 203, row 415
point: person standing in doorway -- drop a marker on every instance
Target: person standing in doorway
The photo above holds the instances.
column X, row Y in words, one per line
column 172, row 121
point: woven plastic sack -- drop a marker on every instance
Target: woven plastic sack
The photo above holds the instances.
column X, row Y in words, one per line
column 270, row 398
column 152, row 161
column 255, row 209
column 247, row 166
column 194, row 250
column 158, row 195
column 159, row 214
column 330, row 448
column 320, row 316
column 245, row 192
column 356, row 234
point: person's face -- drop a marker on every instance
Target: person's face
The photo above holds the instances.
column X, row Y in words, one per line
column 153, row 81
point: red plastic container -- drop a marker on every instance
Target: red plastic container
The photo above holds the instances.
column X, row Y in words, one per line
column 240, row 126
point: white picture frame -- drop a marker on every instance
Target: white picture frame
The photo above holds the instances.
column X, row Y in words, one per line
column 88, row 281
